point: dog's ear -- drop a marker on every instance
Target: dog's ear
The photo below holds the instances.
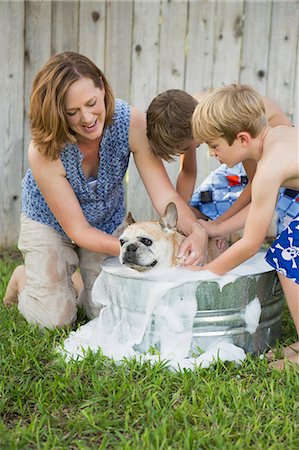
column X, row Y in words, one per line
column 129, row 219
column 169, row 220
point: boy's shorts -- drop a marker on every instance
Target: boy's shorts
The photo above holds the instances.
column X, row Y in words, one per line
column 287, row 208
column 283, row 254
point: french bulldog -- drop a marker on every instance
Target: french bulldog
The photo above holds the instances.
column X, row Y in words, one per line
column 145, row 245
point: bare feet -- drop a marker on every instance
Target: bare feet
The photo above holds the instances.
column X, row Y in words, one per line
column 289, row 354
column 14, row 286
column 291, row 350
column 281, row 363
column 77, row 281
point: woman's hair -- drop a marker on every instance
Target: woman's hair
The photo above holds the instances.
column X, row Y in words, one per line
column 49, row 129
column 226, row 112
column 169, row 122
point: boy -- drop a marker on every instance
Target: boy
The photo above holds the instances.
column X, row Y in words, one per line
column 169, row 133
column 232, row 121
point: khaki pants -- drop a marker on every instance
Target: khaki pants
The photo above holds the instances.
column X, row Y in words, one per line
column 49, row 298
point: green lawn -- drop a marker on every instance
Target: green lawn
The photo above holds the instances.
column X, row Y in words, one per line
column 96, row 404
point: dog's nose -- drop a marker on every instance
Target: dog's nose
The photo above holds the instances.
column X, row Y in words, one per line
column 130, row 254
column 131, row 248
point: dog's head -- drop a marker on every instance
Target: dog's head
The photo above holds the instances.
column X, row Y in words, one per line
column 145, row 245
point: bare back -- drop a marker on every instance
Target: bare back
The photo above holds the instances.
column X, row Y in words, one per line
column 281, row 157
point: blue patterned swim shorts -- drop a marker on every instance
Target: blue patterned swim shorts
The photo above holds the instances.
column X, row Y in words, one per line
column 283, row 254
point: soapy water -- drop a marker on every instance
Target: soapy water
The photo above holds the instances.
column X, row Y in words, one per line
column 156, row 310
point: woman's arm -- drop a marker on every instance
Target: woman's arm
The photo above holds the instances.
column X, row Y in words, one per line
column 62, row 201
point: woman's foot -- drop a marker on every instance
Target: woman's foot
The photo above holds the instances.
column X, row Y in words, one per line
column 14, row 286
column 281, row 363
column 286, row 352
column 78, row 282
column 289, row 354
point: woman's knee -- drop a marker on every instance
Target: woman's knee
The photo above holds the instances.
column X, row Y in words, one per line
column 48, row 311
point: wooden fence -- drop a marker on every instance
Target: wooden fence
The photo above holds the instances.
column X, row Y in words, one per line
column 144, row 47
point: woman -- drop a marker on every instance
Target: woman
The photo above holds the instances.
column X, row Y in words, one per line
column 73, row 196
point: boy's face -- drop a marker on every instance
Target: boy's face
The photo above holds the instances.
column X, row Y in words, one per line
column 225, row 153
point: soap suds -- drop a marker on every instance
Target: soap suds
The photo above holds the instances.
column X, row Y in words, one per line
column 252, row 315
column 156, row 310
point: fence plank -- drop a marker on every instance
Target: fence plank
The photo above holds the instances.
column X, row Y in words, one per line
column 11, row 119
column 283, row 55
column 254, row 62
column 38, row 51
column 172, row 45
column 65, row 26
column 143, row 90
column 92, row 28
column 119, row 20
column 199, row 62
column 228, row 39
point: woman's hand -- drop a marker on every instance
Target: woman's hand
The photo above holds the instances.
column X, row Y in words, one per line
column 194, row 249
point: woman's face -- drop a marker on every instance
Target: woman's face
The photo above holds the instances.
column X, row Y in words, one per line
column 85, row 109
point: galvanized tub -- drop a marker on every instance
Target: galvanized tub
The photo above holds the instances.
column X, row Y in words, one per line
column 218, row 314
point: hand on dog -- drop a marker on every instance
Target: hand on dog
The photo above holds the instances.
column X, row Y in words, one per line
column 194, row 249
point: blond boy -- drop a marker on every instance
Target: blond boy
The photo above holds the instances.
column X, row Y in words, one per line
column 232, row 121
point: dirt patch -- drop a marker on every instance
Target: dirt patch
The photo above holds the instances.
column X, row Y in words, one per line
column 11, row 253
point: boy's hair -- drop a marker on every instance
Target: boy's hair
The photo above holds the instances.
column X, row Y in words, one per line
column 49, row 129
column 169, row 122
column 226, row 112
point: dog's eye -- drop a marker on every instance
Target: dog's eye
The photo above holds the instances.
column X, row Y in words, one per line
column 146, row 241
column 122, row 241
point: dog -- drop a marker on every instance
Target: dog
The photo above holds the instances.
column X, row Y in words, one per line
column 145, row 245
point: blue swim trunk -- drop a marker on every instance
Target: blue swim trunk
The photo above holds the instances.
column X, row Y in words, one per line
column 283, row 254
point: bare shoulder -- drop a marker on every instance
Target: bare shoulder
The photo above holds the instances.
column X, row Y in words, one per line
column 280, row 152
column 41, row 165
column 283, row 135
column 137, row 130
column 275, row 114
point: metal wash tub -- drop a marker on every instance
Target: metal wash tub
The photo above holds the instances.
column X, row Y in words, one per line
column 210, row 310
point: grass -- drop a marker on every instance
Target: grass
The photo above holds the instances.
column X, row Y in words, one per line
column 96, row 404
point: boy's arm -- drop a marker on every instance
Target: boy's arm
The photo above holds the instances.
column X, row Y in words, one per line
column 264, row 196
column 245, row 197
column 219, row 230
column 187, row 175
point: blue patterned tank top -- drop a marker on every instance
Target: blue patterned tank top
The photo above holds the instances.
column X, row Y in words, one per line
column 103, row 207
